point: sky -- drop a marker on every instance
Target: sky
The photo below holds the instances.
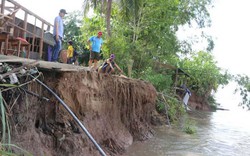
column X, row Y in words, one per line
column 49, row 9
column 231, row 27
column 230, row 30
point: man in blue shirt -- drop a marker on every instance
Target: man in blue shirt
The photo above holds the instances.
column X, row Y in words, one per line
column 95, row 45
column 58, row 34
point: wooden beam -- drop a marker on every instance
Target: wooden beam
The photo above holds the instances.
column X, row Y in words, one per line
column 2, row 6
column 33, row 39
column 28, row 52
column 4, row 37
column 25, row 25
column 10, row 16
column 18, row 48
column 23, row 29
column 41, row 42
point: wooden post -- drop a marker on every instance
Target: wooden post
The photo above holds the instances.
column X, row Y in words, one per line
column 176, row 79
column 2, row 13
column 25, row 25
column 6, row 44
column 4, row 37
column 16, row 8
column 18, row 48
column 41, row 42
column 33, row 39
column 2, row 6
column 28, row 52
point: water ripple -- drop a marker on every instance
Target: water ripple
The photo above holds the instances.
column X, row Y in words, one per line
column 222, row 133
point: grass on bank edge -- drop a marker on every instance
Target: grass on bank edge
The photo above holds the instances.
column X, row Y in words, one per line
column 5, row 148
column 7, row 153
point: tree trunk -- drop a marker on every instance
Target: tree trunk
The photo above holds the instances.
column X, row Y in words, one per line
column 101, row 12
column 108, row 16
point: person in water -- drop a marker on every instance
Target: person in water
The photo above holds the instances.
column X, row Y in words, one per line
column 109, row 66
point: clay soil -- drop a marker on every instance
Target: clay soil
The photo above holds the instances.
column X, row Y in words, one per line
column 198, row 103
column 115, row 110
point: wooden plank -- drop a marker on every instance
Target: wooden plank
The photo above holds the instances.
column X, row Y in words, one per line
column 45, row 65
column 10, row 16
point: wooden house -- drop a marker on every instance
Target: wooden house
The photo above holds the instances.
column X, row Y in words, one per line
column 27, row 36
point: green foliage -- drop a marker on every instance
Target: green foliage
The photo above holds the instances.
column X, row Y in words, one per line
column 91, row 26
column 189, row 127
column 170, row 106
column 3, row 116
column 212, row 102
column 5, row 122
column 119, row 47
column 176, row 109
column 214, row 107
column 160, row 106
column 243, row 88
column 144, row 32
column 73, row 22
column 205, row 75
column 7, row 153
column 161, row 82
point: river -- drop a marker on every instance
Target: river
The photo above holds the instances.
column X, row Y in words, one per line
column 220, row 133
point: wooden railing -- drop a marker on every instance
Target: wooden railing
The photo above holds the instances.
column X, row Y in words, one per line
column 9, row 8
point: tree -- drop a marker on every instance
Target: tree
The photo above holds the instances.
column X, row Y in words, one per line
column 243, row 88
column 205, row 75
column 144, row 32
column 108, row 16
column 104, row 5
column 73, row 23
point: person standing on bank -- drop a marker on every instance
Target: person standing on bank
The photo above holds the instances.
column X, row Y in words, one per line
column 58, row 34
column 70, row 53
column 95, row 45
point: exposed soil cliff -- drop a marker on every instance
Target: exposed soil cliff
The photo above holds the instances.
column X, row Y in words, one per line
column 116, row 111
column 198, row 103
column 195, row 101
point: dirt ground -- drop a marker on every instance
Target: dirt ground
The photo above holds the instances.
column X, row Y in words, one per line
column 115, row 110
column 198, row 103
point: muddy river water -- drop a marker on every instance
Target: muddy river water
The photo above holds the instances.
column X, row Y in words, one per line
column 221, row 133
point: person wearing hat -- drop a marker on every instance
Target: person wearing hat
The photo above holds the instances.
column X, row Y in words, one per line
column 58, row 34
column 95, row 44
column 109, row 66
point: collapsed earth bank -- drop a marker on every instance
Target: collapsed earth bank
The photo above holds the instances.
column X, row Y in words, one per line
column 115, row 110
